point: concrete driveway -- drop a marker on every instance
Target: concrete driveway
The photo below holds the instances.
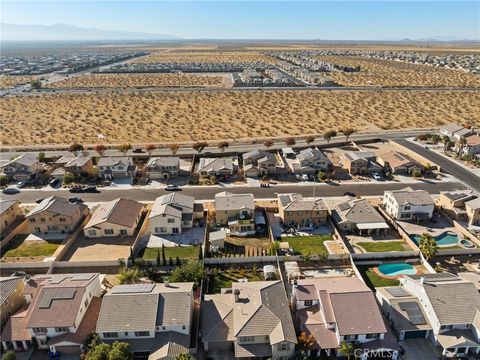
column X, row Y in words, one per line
column 419, row 349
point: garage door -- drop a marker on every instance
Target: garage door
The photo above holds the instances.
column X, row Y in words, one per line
column 418, row 334
column 68, row 349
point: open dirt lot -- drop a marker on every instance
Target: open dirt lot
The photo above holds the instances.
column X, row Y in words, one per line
column 204, row 57
column 84, row 249
column 387, row 73
column 9, row 81
column 191, row 116
column 143, row 80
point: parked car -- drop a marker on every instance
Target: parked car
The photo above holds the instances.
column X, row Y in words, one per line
column 76, row 189
column 21, row 184
column 172, row 188
column 39, row 200
column 298, row 177
column 349, row 193
column 377, row 176
column 91, row 189
column 305, row 177
column 54, row 182
column 138, row 150
column 75, row 200
column 10, row 191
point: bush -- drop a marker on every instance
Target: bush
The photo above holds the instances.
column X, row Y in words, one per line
column 9, row 355
column 68, row 178
column 191, row 271
column 130, row 276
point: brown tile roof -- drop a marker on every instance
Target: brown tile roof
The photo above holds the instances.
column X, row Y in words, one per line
column 16, row 327
column 121, row 211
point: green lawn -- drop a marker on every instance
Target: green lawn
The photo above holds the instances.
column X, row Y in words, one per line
column 18, row 247
column 378, row 281
column 308, row 245
column 225, row 278
column 381, row 246
column 183, row 252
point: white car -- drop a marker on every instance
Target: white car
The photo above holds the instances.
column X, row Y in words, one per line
column 305, row 177
column 377, row 176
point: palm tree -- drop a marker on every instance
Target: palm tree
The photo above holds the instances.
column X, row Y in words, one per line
column 347, row 349
column 199, row 146
column 329, row 134
column 460, row 145
column 428, row 246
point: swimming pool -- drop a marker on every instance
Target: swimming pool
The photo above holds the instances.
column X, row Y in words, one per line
column 397, row 269
column 444, row 239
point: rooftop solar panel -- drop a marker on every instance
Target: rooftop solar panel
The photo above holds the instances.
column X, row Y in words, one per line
column 397, row 292
column 414, row 313
column 133, row 289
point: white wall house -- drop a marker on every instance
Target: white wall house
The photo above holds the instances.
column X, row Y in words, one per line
column 408, row 204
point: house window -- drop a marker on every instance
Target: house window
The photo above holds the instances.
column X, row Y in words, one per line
column 404, row 216
column 141, row 333
column 308, row 302
column 372, row 336
column 246, row 339
column 446, row 327
column 160, row 230
column 407, row 207
column 92, row 232
column 110, row 335
column 171, row 221
column 32, row 220
column 283, row 346
column 42, row 219
column 108, row 231
column 175, row 230
column 86, row 303
column 61, row 329
column 183, row 327
column 62, row 219
column 123, row 232
column 350, row 337
column 41, row 330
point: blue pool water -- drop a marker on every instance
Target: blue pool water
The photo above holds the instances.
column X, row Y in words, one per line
column 397, row 269
column 445, row 239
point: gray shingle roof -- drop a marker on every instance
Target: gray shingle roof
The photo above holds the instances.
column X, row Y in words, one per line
column 174, row 204
column 163, row 161
column 215, row 164
column 413, row 197
column 120, row 211
column 111, row 161
column 27, row 159
column 57, row 205
column 6, row 204
column 228, row 201
column 7, row 286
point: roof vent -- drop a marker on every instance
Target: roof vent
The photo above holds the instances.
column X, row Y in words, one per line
column 236, row 293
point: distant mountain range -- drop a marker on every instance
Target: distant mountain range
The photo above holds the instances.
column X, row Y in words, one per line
column 64, row 32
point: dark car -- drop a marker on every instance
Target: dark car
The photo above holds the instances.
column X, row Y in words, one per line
column 75, row 200
column 76, row 190
column 172, row 188
column 10, row 191
column 349, row 193
column 39, row 200
column 54, row 182
column 137, row 150
column 91, row 189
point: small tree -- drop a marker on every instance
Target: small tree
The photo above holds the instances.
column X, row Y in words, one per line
column 36, row 84
column 199, row 146
column 99, row 352
column 191, row 271
column 329, row 134
column 75, row 148
column 268, row 143
column 347, row 349
column 428, row 246
column 200, row 253
column 223, row 145
column 347, row 132
column 68, row 178
column 124, row 148
column 164, row 258
column 130, row 276
column 309, row 139
column 170, row 261
column 3, row 180
column 120, row 351
column 416, row 173
column 173, row 148
column 290, row 141
column 438, row 268
column 158, row 258
column 321, row 176
column 305, row 341
column 100, row 149
column 149, row 148
column 9, row 355
column 41, row 156
column 177, row 261
column 184, row 356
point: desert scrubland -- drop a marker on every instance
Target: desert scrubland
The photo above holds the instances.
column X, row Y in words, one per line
column 204, row 57
column 9, row 81
column 190, row 116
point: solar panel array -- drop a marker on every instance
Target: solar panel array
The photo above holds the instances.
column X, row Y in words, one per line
column 414, row 313
column 50, row 294
column 133, row 289
column 436, row 277
column 397, row 292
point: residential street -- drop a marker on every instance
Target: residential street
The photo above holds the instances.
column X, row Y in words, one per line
column 208, row 192
column 449, row 166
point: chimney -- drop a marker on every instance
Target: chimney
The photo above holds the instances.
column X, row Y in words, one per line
column 236, row 293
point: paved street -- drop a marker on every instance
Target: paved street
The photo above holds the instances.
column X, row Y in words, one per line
column 208, row 192
column 449, row 166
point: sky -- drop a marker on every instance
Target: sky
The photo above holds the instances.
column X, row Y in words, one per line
column 326, row 20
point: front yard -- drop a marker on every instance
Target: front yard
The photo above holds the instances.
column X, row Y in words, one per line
column 20, row 247
column 182, row 252
column 308, row 245
column 224, row 278
column 383, row 246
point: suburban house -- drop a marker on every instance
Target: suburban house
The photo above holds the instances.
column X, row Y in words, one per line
column 399, row 163
column 404, row 313
column 218, row 167
column 296, row 211
column 174, row 212
column 235, row 211
column 62, row 311
column 23, row 167
column 339, row 309
column 116, row 168
column 455, row 132
column 259, row 163
column 250, row 320
column 472, row 208
column 115, row 218
column 453, row 203
column 77, row 165
column 155, row 319
column 11, row 297
column 358, row 215
column 55, row 215
column 409, row 204
column 471, row 146
column 216, row 240
column 310, row 161
column 455, row 328
column 10, row 213
column 162, row 168
column 360, row 162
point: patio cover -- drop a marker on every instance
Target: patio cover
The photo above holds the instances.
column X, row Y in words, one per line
column 457, row 338
column 367, row 226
